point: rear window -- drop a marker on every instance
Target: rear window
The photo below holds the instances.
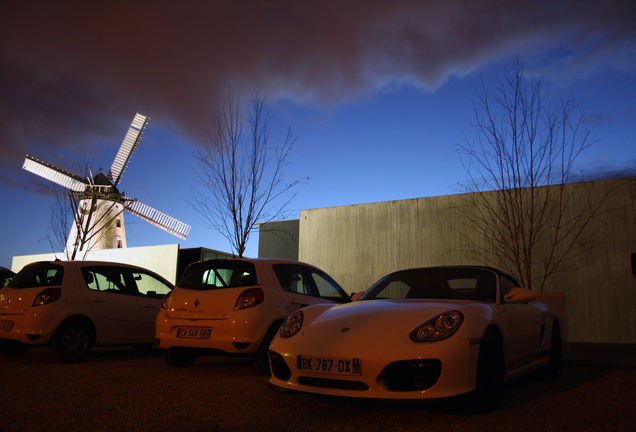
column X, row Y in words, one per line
column 219, row 274
column 38, row 275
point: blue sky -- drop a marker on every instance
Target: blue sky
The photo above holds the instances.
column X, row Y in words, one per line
column 379, row 94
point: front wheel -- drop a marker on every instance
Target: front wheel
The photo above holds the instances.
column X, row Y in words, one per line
column 261, row 357
column 72, row 342
column 491, row 373
column 178, row 357
column 556, row 353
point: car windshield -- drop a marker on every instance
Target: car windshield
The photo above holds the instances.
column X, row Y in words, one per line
column 436, row 283
column 209, row 275
column 38, row 275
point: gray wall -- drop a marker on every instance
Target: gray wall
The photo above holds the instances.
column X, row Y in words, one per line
column 358, row 244
column 160, row 259
column 278, row 239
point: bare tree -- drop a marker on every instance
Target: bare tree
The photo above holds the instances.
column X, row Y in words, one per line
column 521, row 210
column 241, row 176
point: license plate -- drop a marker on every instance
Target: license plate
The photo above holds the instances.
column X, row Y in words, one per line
column 6, row 326
column 350, row 366
column 190, row 333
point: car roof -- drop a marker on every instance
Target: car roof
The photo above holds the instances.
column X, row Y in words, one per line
column 257, row 260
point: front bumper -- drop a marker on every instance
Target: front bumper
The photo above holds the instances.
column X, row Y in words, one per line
column 397, row 370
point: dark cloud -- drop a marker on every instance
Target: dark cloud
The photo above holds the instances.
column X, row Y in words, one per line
column 601, row 171
column 74, row 72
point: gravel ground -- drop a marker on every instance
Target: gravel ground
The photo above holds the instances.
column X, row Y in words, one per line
column 128, row 390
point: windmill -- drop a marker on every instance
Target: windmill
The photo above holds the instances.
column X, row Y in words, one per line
column 98, row 222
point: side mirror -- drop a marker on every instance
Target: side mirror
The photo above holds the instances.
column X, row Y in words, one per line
column 519, row 294
column 356, row 296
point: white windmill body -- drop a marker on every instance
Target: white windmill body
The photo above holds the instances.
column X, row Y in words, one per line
column 99, row 221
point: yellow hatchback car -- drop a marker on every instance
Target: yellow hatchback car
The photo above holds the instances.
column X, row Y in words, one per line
column 236, row 306
column 75, row 305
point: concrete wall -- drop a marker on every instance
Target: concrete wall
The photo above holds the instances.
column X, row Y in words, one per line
column 160, row 259
column 278, row 239
column 358, row 244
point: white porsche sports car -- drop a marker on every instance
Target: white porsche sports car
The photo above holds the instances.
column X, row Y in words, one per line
column 420, row 334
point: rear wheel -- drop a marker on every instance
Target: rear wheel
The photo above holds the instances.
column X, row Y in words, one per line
column 491, row 373
column 72, row 342
column 178, row 357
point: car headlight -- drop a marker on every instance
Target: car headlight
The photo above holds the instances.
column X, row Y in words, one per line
column 438, row 328
column 292, row 324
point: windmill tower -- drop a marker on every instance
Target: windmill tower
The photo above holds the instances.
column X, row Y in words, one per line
column 99, row 220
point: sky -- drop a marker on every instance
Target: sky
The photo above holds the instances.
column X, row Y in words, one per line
column 379, row 94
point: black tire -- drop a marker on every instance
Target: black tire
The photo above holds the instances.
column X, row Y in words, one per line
column 178, row 357
column 261, row 357
column 556, row 354
column 13, row 347
column 491, row 373
column 73, row 341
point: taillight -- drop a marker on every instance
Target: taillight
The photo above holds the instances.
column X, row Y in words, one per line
column 47, row 296
column 164, row 301
column 249, row 298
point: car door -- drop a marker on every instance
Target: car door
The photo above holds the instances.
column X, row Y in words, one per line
column 150, row 292
column 113, row 302
column 524, row 326
column 524, row 333
column 297, row 289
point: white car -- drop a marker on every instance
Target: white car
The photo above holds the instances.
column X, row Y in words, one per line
column 420, row 334
column 236, row 306
column 75, row 305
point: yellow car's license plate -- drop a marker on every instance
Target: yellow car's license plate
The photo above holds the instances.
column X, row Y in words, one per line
column 190, row 333
column 6, row 325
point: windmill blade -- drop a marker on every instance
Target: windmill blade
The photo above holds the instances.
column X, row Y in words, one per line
column 128, row 146
column 55, row 174
column 158, row 219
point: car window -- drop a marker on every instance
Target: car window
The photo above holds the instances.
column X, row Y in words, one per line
column 327, row 287
column 292, row 278
column 436, row 283
column 38, row 275
column 150, row 286
column 215, row 274
column 108, row 279
column 506, row 284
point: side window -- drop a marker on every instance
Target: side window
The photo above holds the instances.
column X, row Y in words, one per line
column 150, row 286
column 292, row 278
column 106, row 279
column 505, row 284
column 327, row 287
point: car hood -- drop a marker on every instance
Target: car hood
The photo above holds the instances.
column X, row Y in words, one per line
column 376, row 318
